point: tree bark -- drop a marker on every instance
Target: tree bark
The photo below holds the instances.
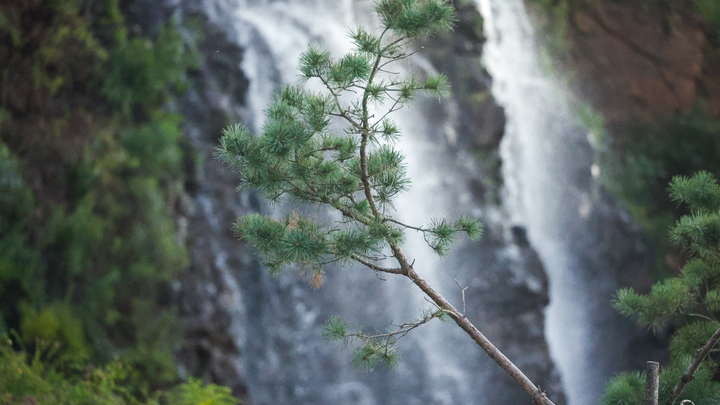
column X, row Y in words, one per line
column 652, row 383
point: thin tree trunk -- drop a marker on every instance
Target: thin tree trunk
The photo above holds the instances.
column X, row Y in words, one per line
column 537, row 395
column 652, row 383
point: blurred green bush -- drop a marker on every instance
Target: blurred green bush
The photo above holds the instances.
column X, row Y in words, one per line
column 26, row 381
column 91, row 181
column 642, row 164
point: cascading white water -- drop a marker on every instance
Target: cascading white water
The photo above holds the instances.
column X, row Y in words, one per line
column 547, row 167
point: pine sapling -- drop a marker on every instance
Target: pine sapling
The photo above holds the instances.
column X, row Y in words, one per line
column 357, row 173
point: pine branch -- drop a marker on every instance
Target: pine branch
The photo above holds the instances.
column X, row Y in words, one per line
column 400, row 331
column 398, row 58
column 406, row 226
column 348, row 213
column 375, row 267
column 689, row 374
column 392, row 109
column 364, row 141
column 341, row 112
column 701, row 316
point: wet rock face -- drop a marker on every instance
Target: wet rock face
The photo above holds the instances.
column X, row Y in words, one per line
column 507, row 290
column 209, row 300
column 457, row 55
column 633, row 63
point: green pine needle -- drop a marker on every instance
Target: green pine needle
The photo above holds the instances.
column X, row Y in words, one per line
column 625, row 389
column 690, row 337
column 701, row 191
column 365, row 42
column 356, row 66
column 371, row 354
column 415, row 19
column 314, row 63
column 471, row 226
column 437, row 85
column 335, row 328
column 389, row 131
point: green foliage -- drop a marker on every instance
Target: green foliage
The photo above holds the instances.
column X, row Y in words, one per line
column 21, row 268
column 696, row 288
column 372, row 353
column 15, row 196
column 639, row 169
column 415, row 19
column 710, row 10
column 298, row 158
column 441, row 232
column 625, row 389
column 686, row 340
column 140, row 71
column 54, row 323
column 701, row 390
column 335, row 328
column 294, row 240
column 195, row 392
column 26, row 380
column 629, row 388
column 692, row 298
column 88, row 245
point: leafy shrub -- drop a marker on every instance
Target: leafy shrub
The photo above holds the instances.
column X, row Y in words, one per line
column 88, row 191
column 26, row 380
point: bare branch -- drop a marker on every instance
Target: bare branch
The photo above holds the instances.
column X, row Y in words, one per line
column 400, row 331
column 342, row 113
column 392, row 109
column 462, row 290
column 690, row 372
column 388, row 72
column 405, row 225
column 707, row 318
column 375, row 267
column 400, row 57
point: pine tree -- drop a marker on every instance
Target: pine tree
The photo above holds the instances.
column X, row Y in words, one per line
column 357, row 173
column 692, row 299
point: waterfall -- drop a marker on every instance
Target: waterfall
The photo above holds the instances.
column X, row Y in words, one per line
column 548, row 166
column 283, row 356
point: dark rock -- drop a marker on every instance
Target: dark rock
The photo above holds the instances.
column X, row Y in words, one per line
column 457, row 55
